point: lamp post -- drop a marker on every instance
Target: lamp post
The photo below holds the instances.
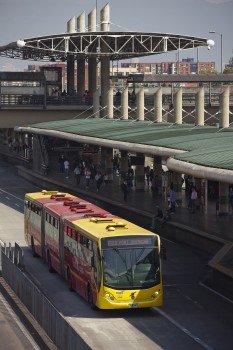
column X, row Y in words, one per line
column 220, row 34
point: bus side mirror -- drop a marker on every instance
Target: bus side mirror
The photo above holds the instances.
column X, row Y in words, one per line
column 163, row 253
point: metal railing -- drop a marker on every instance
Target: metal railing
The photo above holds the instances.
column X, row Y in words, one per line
column 16, row 100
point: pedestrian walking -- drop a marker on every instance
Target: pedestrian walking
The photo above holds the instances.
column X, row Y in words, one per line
column 125, row 190
column 66, row 168
column 77, row 174
column 99, row 180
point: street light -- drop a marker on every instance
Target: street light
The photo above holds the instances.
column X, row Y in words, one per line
column 220, row 34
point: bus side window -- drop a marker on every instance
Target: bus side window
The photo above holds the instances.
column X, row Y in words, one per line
column 69, row 231
column 81, row 239
column 47, row 217
column 77, row 236
column 90, row 245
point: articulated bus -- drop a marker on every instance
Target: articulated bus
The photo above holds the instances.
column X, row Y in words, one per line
column 109, row 261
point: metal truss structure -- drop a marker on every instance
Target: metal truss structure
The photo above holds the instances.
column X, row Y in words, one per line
column 115, row 45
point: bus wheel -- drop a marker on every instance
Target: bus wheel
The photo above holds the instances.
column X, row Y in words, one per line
column 33, row 248
column 51, row 270
column 90, row 298
column 69, row 279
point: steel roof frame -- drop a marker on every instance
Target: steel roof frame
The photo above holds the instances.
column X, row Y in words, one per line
column 115, row 45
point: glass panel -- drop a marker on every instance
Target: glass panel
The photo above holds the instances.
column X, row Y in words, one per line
column 131, row 268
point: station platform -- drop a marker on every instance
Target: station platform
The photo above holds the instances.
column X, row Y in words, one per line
column 210, row 222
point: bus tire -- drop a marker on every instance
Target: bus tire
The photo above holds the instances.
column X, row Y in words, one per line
column 90, row 298
column 69, row 279
column 51, row 270
column 33, row 248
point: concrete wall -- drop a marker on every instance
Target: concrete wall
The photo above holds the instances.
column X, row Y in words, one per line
column 54, row 324
column 9, row 118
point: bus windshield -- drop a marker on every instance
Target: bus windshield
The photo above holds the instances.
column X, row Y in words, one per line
column 126, row 268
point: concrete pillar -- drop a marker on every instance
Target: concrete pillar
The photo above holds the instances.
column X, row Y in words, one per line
column 124, row 164
column 158, row 172
column 224, row 108
column 109, row 164
column 36, row 154
column 71, row 25
column 223, row 198
column 70, row 60
column 97, row 156
column 105, row 62
column 140, row 174
column 70, row 75
column 178, row 107
column 140, row 104
column 105, row 18
column 110, row 113
column 92, row 65
column 81, row 23
column 80, row 76
column 177, row 186
column 125, row 103
column 96, row 104
column 200, row 107
column 105, row 81
column 158, row 106
column 92, row 75
column 202, row 190
column 81, row 61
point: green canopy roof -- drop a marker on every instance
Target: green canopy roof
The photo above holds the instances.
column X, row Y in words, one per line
column 204, row 145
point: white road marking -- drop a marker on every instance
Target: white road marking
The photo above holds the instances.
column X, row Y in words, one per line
column 16, row 204
column 7, row 198
column 217, row 293
column 11, row 195
column 20, row 325
column 183, row 329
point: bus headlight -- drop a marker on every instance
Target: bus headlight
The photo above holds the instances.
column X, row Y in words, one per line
column 109, row 296
column 155, row 294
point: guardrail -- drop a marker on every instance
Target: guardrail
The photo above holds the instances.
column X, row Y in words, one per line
column 16, row 100
column 49, row 318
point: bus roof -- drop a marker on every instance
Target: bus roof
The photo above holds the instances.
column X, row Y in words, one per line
column 63, row 208
column 44, row 196
column 109, row 227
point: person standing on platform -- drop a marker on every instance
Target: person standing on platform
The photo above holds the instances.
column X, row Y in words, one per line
column 172, row 197
column 99, row 180
column 193, row 199
column 231, row 198
column 87, row 176
column 61, row 163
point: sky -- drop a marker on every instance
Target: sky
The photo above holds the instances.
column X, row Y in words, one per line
column 21, row 19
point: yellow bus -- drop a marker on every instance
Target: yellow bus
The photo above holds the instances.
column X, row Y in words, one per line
column 109, row 261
